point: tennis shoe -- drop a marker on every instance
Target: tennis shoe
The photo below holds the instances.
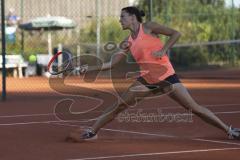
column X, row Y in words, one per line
column 234, row 133
column 80, row 135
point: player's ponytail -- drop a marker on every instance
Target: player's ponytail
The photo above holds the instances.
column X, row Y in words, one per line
column 135, row 11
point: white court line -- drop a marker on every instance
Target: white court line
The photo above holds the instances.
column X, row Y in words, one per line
column 230, row 112
column 35, row 122
column 27, row 115
column 214, row 141
column 170, row 136
column 141, row 133
column 38, row 122
column 159, row 153
column 157, row 135
column 170, row 107
column 205, row 105
column 123, row 131
column 84, row 121
column 26, row 123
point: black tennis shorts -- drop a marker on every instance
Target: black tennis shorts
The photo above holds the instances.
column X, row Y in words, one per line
column 162, row 84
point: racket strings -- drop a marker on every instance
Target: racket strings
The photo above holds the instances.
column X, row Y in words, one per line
column 64, row 62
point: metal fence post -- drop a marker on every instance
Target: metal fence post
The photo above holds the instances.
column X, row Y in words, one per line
column 4, row 94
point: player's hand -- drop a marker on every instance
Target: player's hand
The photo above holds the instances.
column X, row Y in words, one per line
column 158, row 54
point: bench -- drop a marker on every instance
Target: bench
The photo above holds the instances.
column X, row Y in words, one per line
column 15, row 62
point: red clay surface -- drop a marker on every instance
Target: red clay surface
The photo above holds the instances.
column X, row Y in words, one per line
column 30, row 130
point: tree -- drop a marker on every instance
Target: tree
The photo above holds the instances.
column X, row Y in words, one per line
column 199, row 21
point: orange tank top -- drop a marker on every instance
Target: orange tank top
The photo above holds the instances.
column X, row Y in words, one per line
column 153, row 69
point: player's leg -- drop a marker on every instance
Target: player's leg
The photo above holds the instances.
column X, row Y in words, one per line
column 181, row 95
column 127, row 99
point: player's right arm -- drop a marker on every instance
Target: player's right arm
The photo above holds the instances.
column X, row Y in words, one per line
column 116, row 58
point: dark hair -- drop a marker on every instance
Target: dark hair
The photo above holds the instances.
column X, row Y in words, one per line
column 135, row 11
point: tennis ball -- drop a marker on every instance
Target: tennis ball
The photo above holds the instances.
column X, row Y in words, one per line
column 32, row 58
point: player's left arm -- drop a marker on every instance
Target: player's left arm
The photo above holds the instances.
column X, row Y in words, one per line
column 115, row 59
column 155, row 28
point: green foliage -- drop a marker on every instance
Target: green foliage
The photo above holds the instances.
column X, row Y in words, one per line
column 199, row 21
column 110, row 31
column 33, row 43
column 189, row 56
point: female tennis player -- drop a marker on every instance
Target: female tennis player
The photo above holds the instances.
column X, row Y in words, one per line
column 147, row 47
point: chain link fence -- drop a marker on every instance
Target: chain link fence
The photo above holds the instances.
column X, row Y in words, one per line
column 97, row 22
column 28, row 51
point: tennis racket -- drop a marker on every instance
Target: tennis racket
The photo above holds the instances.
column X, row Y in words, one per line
column 63, row 62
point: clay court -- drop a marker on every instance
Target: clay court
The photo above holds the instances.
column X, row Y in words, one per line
column 30, row 129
